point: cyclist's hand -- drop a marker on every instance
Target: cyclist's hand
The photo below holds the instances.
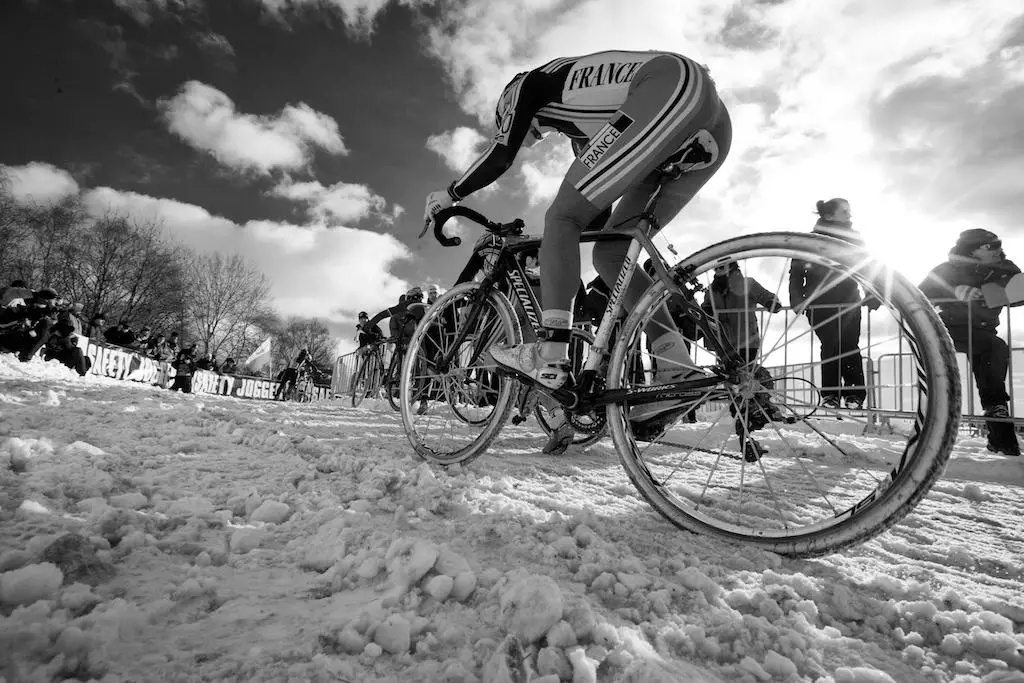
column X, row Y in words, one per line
column 436, row 201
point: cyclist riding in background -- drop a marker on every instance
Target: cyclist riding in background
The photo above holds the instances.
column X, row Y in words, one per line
column 404, row 315
column 626, row 114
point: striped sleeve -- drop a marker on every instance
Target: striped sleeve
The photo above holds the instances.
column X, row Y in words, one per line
column 519, row 102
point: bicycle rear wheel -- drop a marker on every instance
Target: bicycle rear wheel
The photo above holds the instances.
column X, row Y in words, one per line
column 463, row 412
column 365, row 379
column 764, row 464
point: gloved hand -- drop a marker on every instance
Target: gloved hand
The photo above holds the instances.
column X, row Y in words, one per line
column 436, row 201
column 776, row 306
column 967, row 293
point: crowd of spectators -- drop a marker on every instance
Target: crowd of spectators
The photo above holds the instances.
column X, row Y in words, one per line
column 40, row 321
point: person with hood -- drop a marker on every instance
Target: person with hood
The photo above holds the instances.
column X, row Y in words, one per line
column 977, row 259
column 834, row 311
column 732, row 300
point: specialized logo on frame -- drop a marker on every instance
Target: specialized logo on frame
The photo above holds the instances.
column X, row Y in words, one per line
column 604, row 139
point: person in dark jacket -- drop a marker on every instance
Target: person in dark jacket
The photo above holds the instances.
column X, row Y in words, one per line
column 832, row 305
column 732, row 299
column 26, row 327
column 120, row 334
column 288, row 377
column 404, row 315
column 229, row 367
column 978, row 259
column 185, row 367
column 62, row 346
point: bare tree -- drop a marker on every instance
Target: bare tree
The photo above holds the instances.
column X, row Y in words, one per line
column 305, row 333
column 224, row 296
column 124, row 268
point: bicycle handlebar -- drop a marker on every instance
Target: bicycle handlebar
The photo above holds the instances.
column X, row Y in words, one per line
column 441, row 217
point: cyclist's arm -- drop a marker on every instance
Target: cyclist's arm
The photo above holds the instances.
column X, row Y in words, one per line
column 502, row 151
column 386, row 313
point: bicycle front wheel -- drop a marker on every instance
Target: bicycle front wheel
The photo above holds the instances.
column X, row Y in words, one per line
column 757, row 459
column 364, row 380
column 455, row 402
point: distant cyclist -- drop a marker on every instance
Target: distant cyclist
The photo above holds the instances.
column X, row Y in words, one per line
column 368, row 334
column 627, row 114
column 404, row 315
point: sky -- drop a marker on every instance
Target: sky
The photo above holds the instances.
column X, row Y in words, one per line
column 209, row 538
column 305, row 134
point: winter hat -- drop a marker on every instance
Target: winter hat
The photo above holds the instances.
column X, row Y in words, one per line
column 46, row 293
column 970, row 240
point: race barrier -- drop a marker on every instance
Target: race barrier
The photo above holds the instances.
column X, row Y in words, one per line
column 124, row 364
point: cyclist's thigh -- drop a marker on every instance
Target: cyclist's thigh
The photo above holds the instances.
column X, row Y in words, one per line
column 671, row 99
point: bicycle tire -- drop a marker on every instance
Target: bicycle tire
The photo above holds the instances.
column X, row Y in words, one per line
column 363, row 379
column 934, row 421
column 466, row 441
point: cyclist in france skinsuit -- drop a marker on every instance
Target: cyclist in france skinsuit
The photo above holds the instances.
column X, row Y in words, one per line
column 627, row 114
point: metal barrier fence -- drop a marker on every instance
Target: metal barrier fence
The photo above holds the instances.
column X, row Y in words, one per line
column 888, row 374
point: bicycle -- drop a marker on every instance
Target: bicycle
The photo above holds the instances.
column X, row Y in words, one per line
column 672, row 462
column 372, row 376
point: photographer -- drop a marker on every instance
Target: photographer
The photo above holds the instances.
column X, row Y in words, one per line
column 62, row 346
column 24, row 329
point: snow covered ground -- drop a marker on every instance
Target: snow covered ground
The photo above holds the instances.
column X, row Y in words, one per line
column 151, row 536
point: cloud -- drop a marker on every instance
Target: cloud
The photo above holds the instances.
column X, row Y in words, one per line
column 315, row 270
column 217, row 48
column 459, row 148
column 205, row 118
column 956, row 141
column 145, row 12
column 111, row 39
column 338, row 203
column 542, row 176
column 38, row 182
column 358, row 16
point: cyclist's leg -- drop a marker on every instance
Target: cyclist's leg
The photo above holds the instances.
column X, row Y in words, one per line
column 705, row 131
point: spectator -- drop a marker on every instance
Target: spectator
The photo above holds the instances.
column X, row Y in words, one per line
column 25, row 328
column 72, row 316
column 732, row 299
column 205, row 362
column 978, row 259
column 834, row 311
column 158, row 349
column 173, row 344
column 288, row 377
column 142, row 340
column 120, row 335
column 229, row 367
column 17, row 292
column 94, row 329
column 62, row 346
column 184, row 366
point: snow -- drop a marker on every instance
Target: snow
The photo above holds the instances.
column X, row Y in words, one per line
column 149, row 535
